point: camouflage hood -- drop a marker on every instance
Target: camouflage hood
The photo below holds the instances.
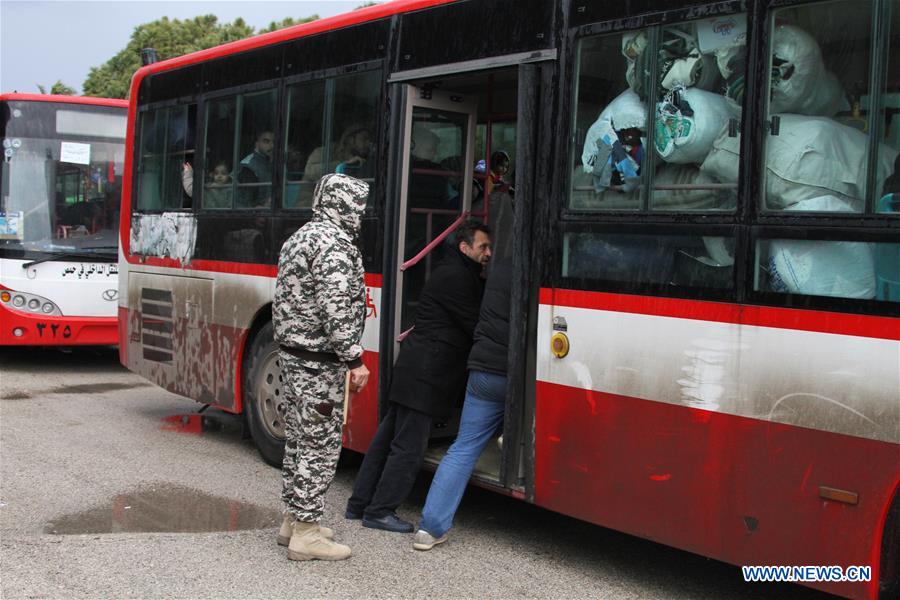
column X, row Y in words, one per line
column 341, row 200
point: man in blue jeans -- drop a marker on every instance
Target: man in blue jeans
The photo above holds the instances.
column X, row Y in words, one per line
column 482, row 414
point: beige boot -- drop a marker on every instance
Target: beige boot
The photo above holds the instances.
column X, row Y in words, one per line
column 308, row 543
column 284, row 533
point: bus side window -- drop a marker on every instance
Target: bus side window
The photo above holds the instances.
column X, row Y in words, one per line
column 257, row 148
column 167, row 143
column 221, row 119
column 694, row 151
column 649, row 261
column 838, row 269
column 303, row 142
column 817, row 146
column 345, row 144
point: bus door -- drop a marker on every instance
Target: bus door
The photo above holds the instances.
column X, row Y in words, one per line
column 437, row 162
column 451, row 128
column 436, row 165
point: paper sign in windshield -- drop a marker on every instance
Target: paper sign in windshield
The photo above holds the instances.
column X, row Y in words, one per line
column 11, row 225
column 73, row 152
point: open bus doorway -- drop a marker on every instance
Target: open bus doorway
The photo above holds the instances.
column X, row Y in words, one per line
column 455, row 126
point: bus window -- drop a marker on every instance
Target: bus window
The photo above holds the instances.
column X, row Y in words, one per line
column 256, row 147
column 220, row 130
column 305, row 126
column 604, row 87
column 701, row 70
column 839, row 269
column 331, row 128
column 696, row 101
column 355, row 113
column 817, row 146
column 641, row 261
column 167, row 143
column 887, row 200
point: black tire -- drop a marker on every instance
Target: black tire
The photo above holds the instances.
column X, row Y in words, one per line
column 263, row 395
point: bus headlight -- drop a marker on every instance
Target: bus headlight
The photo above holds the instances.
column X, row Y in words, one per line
column 31, row 302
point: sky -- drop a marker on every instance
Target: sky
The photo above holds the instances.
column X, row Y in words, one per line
column 42, row 41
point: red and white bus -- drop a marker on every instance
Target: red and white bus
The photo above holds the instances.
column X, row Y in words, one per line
column 61, row 185
column 705, row 344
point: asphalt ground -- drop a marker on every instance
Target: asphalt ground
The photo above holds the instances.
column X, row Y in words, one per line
column 106, row 494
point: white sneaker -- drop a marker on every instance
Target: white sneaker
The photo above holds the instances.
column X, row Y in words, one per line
column 425, row 541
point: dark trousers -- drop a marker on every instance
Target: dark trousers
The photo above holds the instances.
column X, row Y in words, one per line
column 392, row 462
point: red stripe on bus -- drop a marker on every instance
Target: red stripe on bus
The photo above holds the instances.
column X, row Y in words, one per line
column 64, row 99
column 737, row 489
column 760, row 316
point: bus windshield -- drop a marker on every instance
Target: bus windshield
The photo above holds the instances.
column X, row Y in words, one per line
column 61, row 177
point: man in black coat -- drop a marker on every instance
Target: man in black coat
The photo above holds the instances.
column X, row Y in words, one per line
column 429, row 377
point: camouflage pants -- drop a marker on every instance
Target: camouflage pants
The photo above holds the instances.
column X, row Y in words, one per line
column 314, row 415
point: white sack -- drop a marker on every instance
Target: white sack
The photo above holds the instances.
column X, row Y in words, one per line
column 626, row 111
column 685, row 140
column 823, row 268
column 811, row 157
column 809, row 89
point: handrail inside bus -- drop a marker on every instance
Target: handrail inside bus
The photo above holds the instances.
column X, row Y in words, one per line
column 433, row 243
column 405, row 334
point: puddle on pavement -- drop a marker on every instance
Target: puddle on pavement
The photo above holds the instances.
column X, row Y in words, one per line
column 95, row 388
column 166, row 508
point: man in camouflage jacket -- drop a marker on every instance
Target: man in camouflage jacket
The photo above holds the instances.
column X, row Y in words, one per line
column 318, row 314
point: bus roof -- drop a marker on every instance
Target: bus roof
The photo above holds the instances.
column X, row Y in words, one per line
column 65, row 99
column 354, row 17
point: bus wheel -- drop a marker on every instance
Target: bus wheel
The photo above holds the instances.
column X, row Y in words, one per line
column 264, row 396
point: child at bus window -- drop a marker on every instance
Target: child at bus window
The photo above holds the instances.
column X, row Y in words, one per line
column 218, row 188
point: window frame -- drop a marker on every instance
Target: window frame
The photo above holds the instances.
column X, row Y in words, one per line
column 374, row 207
column 238, row 92
column 138, row 154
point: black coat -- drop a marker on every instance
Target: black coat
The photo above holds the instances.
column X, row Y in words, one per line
column 492, row 333
column 430, row 372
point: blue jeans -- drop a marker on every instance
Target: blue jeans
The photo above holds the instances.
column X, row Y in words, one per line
column 481, row 416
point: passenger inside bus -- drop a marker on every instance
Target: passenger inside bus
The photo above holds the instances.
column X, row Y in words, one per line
column 353, row 152
column 256, row 169
column 500, row 198
column 217, row 191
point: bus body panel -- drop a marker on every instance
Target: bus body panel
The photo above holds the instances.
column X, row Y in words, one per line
column 719, row 437
column 188, row 334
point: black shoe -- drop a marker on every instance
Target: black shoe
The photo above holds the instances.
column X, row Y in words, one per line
column 352, row 515
column 389, row 522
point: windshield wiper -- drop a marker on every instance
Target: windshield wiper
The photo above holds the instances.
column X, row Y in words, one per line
column 79, row 253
